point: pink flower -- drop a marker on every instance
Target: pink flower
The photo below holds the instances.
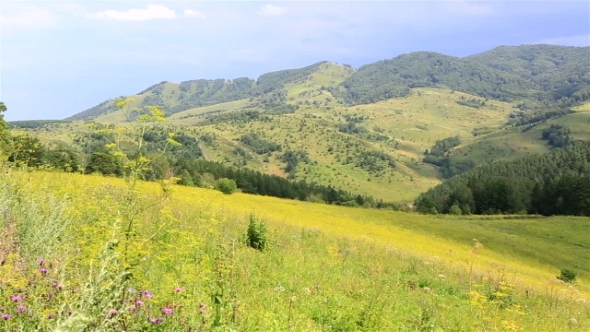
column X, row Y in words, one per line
column 59, row 287
column 41, row 262
column 156, row 320
column 139, row 303
column 43, row 270
column 50, row 316
column 167, row 311
column 177, row 290
column 16, row 298
column 146, row 294
column 114, row 312
column 21, row 309
column 6, row 316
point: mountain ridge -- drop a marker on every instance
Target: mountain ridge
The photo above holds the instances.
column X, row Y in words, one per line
column 523, row 76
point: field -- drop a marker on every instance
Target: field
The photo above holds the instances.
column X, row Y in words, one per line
column 159, row 257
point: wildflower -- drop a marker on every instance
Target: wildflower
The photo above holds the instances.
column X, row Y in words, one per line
column 50, row 316
column 6, row 316
column 59, row 287
column 139, row 303
column 21, row 309
column 114, row 312
column 202, row 305
column 43, row 270
column 41, row 262
column 156, row 320
column 167, row 311
column 146, row 294
column 130, row 290
column 177, row 290
column 202, row 311
column 16, row 298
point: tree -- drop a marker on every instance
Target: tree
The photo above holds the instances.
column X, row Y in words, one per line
column 4, row 132
column 226, row 186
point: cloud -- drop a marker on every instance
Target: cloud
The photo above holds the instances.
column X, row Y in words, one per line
column 28, row 17
column 576, row 40
column 193, row 13
column 271, row 10
column 152, row 12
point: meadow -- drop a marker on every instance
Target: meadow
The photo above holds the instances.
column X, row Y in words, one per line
column 91, row 253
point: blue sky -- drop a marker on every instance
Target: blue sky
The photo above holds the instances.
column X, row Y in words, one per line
column 60, row 58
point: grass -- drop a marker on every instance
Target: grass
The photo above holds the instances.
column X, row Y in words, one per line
column 325, row 268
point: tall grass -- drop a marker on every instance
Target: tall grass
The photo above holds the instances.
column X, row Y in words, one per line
column 185, row 265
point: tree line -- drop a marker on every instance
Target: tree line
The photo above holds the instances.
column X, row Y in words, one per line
column 557, row 182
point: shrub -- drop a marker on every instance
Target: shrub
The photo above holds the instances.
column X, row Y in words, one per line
column 456, row 210
column 226, row 186
column 256, row 235
column 567, row 275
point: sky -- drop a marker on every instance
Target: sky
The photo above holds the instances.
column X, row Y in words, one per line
column 62, row 57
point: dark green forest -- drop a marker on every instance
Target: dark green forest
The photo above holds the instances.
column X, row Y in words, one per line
column 554, row 76
column 557, row 182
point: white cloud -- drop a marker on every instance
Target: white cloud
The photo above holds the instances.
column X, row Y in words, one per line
column 271, row 10
column 193, row 13
column 576, row 40
column 27, row 17
column 152, row 12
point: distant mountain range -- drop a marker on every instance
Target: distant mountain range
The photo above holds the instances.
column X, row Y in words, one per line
column 541, row 76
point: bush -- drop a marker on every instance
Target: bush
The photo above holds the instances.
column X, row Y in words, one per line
column 226, row 186
column 256, row 235
column 567, row 275
column 456, row 210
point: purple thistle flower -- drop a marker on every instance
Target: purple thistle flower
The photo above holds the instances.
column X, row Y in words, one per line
column 21, row 309
column 202, row 311
column 146, row 294
column 16, row 298
column 114, row 312
column 41, row 262
column 59, row 287
column 167, row 311
column 6, row 316
column 43, row 270
column 178, row 290
column 50, row 316
column 139, row 303
column 202, row 305
column 156, row 320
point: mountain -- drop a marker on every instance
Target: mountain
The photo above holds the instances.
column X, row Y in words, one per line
column 508, row 73
column 391, row 129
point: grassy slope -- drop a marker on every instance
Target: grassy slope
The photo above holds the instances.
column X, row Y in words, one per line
column 528, row 251
column 513, row 143
column 326, row 268
column 416, row 122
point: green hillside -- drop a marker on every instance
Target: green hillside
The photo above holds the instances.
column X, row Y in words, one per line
column 373, row 130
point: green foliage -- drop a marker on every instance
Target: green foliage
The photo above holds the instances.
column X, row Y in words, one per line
column 537, row 183
column 32, row 124
column 438, row 156
column 504, row 73
column 256, row 236
column 259, row 145
column 226, row 186
column 455, row 210
column 104, row 162
column 4, row 132
column 557, row 136
column 567, row 275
